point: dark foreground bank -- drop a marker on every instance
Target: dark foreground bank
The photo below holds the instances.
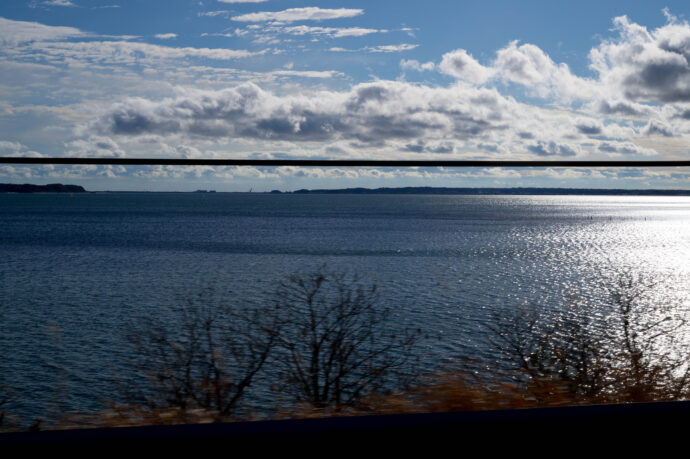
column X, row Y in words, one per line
column 546, row 426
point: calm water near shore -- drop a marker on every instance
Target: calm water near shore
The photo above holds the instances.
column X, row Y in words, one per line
column 76, row 270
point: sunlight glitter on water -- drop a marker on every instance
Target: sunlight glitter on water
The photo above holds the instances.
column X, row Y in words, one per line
column 88, row 264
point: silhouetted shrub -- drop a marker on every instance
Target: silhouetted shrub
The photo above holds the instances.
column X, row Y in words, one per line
column 204, row 359
column 625, row 347
column 337, row 343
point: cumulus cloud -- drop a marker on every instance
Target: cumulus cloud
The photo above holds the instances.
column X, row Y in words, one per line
column 9, row 148
column 391, row 116
column 658, row 128
column 636, row 68
column 462, row 65
column 589, row 126
column 643, row 65
column 421, row 146
column 369, row 113
column 529, row 66
column 311, row 13
column 552, row 148
column 188, row 151
column 95, row 146
column 469, row 118
column 624, row 148
column 523, row 64
column 620, row 107
column 526, row 64
column 165, row 36
column 412, row 64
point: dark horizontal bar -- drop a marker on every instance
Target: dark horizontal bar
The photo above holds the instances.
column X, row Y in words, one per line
column 548, row 426
column 334, row 163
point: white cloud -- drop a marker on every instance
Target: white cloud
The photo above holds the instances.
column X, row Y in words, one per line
column 370, row 112
column 213, row 13
column 308, row 73
column 333, row 32
column 390, row 48
column 389, row 116
column 412, row 64
column 614, row 148
column 376, row 49
column 589, row 126
column 16, row 32
column 583, row 118
column 94, row 146
column 165, row 36
column 59, row 3
column 462, row 65
column 643, row 65
column 620, row 107
column 125, row 52
column 311, row 13
column 24, row 41
column 638, row 66
column 657, row 127
column 9, row 148
column 526, row 65
column 529, row 66
column 234, row 33
column 392, row 117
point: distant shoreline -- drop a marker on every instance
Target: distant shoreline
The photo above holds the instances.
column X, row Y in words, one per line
column 50, row 188
column 499, row 191
column 517, row 191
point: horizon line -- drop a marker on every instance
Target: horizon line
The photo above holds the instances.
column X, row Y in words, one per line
column 336, row 162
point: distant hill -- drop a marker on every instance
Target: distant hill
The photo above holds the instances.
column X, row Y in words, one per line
column 51, row 188
column 509, row 191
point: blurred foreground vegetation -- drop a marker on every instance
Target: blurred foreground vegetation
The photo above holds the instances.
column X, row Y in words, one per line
column 331, row 348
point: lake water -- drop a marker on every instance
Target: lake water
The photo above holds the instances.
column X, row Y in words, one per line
column 75, row 271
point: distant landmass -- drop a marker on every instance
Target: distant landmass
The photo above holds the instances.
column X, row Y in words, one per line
column 51, row 188
column 510, row 191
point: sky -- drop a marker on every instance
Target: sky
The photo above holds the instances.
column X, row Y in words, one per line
column 496, row 80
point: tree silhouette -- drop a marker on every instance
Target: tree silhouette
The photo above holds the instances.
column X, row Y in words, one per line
column 337, row 344
column 644, row 340
column 625, row 347
column 205, row 359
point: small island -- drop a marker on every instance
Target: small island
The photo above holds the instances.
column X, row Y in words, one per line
column 50, row 188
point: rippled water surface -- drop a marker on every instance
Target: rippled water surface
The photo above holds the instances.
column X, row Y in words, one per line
column 75, row 270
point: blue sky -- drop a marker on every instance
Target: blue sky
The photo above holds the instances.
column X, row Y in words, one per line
column 325, row 79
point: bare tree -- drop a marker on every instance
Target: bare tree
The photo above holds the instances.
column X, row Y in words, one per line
column 564, row 349
column 644, row 339
column 625, row 347
column 205, row 358
column 338, row 344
